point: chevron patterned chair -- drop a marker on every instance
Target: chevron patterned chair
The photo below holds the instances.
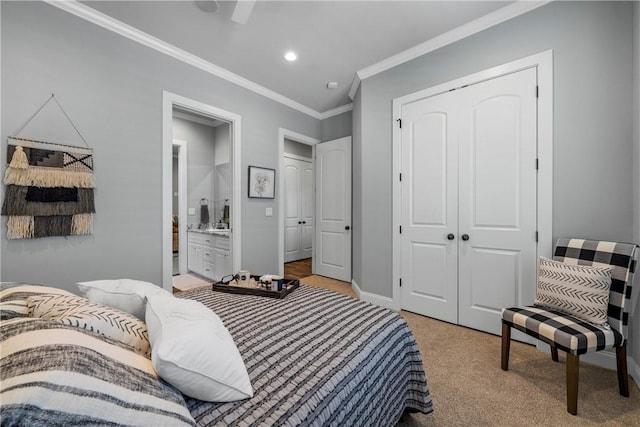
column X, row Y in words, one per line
column 581, row 306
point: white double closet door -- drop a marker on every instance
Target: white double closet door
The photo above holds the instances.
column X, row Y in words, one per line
column 298, row 209
column 469, row 201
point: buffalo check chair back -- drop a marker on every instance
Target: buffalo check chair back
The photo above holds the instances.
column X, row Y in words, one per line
column 574, row 335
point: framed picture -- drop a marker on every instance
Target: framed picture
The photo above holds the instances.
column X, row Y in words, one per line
column 262, row 182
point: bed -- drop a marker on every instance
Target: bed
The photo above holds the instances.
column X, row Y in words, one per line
column 315, row 358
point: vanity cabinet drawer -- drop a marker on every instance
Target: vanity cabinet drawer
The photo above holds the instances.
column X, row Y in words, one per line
column 195, row 238
column 208, row 254
column 208, row 270
column 222, row 243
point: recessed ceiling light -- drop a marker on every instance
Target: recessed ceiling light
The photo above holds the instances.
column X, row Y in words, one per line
column 208, row 6
column 290, row 56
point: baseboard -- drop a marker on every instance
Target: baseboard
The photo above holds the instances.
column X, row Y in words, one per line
column 634, row 371
column 355, row 288
column 384, row 302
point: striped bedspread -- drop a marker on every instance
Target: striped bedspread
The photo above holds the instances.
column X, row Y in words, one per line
column 317, row 358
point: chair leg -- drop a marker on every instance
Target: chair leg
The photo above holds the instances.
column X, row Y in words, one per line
column 554, row 353
column 506, row 344
column 623, row 378
column 573, row 369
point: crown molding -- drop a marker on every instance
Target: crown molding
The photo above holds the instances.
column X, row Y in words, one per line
column 89, row 14
column 334, row 112
column 355, row 84
column 470, row 28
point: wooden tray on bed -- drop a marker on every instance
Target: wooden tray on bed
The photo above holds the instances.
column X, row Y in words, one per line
column 254, row 288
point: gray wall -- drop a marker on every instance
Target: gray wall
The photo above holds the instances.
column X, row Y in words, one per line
column 335, row 127
column 593, row 189
column 634, row 329
column 297, row 148
column 112, row 89
column 201, row 141
column 592, row 45
column 223, row 179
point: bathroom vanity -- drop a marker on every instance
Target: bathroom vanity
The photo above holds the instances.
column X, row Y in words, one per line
column 209, row 253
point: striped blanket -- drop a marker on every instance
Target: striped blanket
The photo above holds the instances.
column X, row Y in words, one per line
column 317, row 358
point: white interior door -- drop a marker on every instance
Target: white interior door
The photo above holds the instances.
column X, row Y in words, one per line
column 497, row 192
column 469, row 201
column 298, row 209
column 333, row 209
column 430, row 207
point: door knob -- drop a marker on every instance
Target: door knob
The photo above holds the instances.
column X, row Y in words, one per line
column 304, row 222
column 299, row 222
column 347, row 228
column 465, row 237
column 450, row 236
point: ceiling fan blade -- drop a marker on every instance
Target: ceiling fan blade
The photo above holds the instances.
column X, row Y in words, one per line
column 242, row 11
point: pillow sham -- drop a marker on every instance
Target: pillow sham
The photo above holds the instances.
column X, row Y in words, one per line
column 124, row 294
column 80, row 312
column 579, row 290
column 13, row 298
column 83, row 379
column 192, row 350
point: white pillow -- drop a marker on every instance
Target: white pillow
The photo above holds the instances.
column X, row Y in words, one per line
column 192, row 350
column 124, row 294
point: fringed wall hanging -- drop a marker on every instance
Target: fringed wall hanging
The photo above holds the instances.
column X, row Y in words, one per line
column 49, row 187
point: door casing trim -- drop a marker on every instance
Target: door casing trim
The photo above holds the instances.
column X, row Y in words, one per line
column 543, row 62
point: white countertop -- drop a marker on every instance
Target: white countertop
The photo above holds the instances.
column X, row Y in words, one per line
column 215, row 231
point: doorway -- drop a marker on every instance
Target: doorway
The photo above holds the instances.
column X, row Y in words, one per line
column 173, row 103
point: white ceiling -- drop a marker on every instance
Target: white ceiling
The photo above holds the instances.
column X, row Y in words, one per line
column 333, row 39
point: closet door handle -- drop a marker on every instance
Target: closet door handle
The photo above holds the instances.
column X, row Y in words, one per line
column 465, row 237
column 347, row 228
column 450, row 236
column 304, row 222
column 299, row 222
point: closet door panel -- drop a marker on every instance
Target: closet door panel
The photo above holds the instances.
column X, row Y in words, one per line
column 307, row 208
column 429, row 208
column 497, row 193
column 292, row 214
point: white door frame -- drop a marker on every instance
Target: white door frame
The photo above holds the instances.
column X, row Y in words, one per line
column 544, row 63
column 303, row 139
column 169, row 101
column 182, row 205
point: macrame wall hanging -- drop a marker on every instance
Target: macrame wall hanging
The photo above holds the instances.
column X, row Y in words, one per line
column 49, row 186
